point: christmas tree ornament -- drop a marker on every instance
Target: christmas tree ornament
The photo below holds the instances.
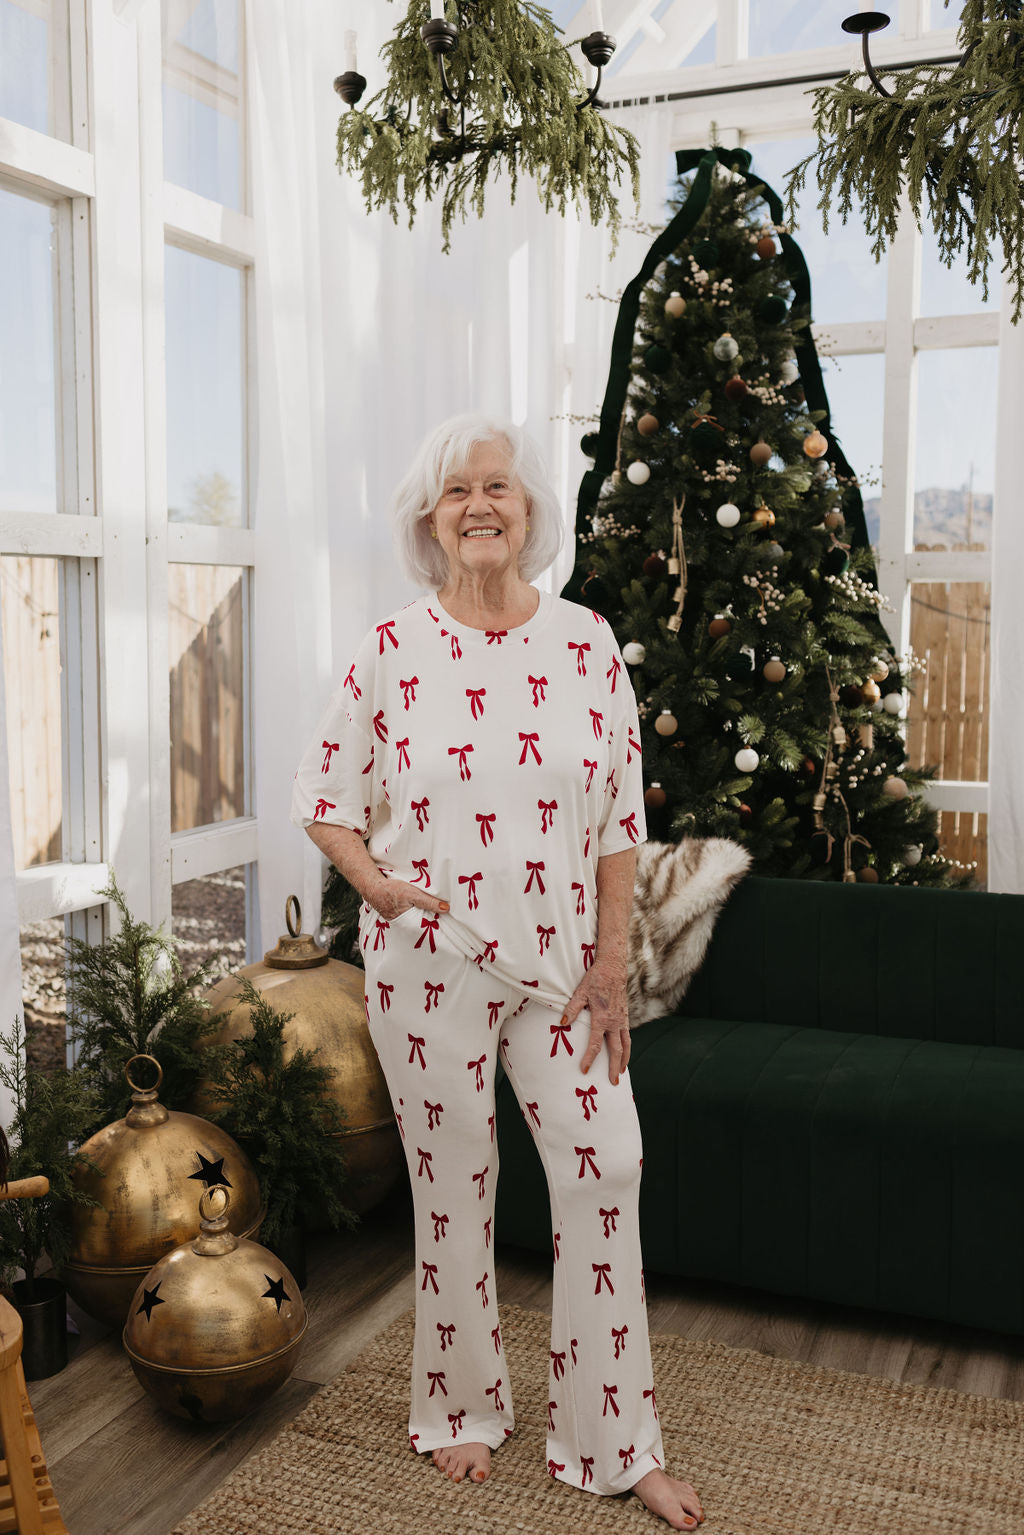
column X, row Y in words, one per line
column 760, row 453
column 839, row 736
column 675, row 305
column 895, row 787
column 876, row 705
column 809, row 765
column 718, row 626
column 746, row 814
column 735, row 388
column 589, row 443
column 654, row 565
column 654, row 797
column 764, row 515
column 325, row 998
column 879, row 670
column 677, row 565
column 867, row 875
column 666, row 724
column 674, row 622
column 869, row 692
column 912, row 855
column 725, row 348
column 706, row 252
column 746, row 759
column 774, row 551
column 727, row 515
column 145, row 1172
column 893, row 703
column 772, row 310
column 815, row 445
column 633, row 653
column 851, row 696
column 766, row 248
column 864, row 735
column 215, row 1327
column 658, row 358
column 834, row 520
column 638, row 472
column 647, row 425
column 774, row 670
column 789, row 371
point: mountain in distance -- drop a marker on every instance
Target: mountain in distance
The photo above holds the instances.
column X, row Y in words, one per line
column 943, row 519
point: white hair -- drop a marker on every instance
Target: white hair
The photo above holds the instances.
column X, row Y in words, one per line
column 446, row 451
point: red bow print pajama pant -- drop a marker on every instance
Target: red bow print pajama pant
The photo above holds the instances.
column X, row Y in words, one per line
column 438, row 1022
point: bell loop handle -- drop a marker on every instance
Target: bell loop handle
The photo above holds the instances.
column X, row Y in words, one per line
column 294, row 928
column 213, row 1202
column 135, row 1086
column 214, row 1239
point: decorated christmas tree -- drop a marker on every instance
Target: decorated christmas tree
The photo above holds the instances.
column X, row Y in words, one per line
column 721, row 532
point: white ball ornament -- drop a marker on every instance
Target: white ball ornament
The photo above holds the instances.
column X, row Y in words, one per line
column 727, row 515
column 892, row 703
column 746, row 759
column 789, row 372
column 725, row 348
column 912, row 855
column 633, row 653
column 638, row 473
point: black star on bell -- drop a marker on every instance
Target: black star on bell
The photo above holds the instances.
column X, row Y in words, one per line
column 210, row 1173
column 150, row 1299
column 276, row 1292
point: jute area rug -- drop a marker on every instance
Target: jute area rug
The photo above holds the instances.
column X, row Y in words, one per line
column 773, row 1448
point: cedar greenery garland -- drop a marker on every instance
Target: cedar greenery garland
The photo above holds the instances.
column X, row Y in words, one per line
column 130, row 996
column 950, row 135
column 278, row 1113
column 521, row 87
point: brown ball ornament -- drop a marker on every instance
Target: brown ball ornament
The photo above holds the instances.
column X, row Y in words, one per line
column 896, row 788
column 815, row 445
column 735, row 388
column 746, row 815
column 870, row 692
column 851, row 695
column 765, row 516
column 809, row 766
column 675, row 305
column 666, row 724
column 655, row 797
column 647, row 424
column 654, row 565
column 835, row 520
column 760, row 453
column 766, row 247
column 867, row 876
column 719, row 626
column 774, row 670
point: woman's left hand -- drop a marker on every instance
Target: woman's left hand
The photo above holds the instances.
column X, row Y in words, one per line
column 603, row 991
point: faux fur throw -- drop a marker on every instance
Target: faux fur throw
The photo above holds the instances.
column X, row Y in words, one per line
column 679, row 891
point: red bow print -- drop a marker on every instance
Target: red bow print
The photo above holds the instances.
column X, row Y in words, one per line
column 581, row 663
column 588, row 1100
column 581, row 905
column 613, row 673
column 557, row 1364
column 380, row 942
column 603, row 1272
column 572, row 1345
column 478, row 1067
column 436, row 1378
column 597, row 720
column 409, row 690
column 350, row 682
column 547, row 810
column 422, row 873
column 588, row 954
column 421, row 807
column 417, row 1050
column 322, row 807
column 591, row 768
column 388, row 628
column 368, row 769
column 627, row 1456
column 629, row 825
column 329, row 748
column 440, row 1222
column 586, row 845
column 495, row 636
column 424, row 1167
column 632, row 745
column 654, row 1404
column 429, row 1272
column 434, row 1112
column 586, row 1156
column 385, row 988
column 529, row 739
column 495, row 1391
column 488, row 953
column 456, row 647
column 587, row 1463
column 551, row 1420
column 536, row 872
column 561, row 1033
column 455, row 1419
column 610, row 1393
column 496, row 1336
column 487, row 1222
column 554, row 1466
column 608, row 1216
column 471, row 896
column 460, row 752
column 403, row 753
column 479, row 1178
column 433, row 993
column 476, row 696
column 610, row 783
column 481, row 1285
column 619, row 1334
column 555, row 1241
column 486, row 828
column 380, row 730
column 447, row 1331
column 538, row 684
column 429, row 926
column 545, row 935
column 493, row 1009
column 531, row 1109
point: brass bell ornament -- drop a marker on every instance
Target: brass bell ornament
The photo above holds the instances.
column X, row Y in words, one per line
column 325, row 998
column 147, row 1170
column 215, row 1327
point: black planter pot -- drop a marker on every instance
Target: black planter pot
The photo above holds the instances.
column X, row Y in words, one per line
column 44, row 1346
column 290, row 1247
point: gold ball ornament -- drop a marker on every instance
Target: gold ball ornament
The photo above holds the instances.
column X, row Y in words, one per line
column 879, row 669
column 654, row 797
column 666, row 724
column 146, row 1171
column 870, row 691
column 835, row 520
column 895, row 788
column 774, row 670
column 325, row 997
column 765, row 516
column 675, row 305
column 215, row 1327
column 760, row 453
column 647, row 424
column 718, row 626
column 815, row 445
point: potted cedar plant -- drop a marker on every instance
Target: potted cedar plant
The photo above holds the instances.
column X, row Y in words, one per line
column 53, row 1111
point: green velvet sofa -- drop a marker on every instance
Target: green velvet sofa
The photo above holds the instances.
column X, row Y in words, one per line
column 837, row 1109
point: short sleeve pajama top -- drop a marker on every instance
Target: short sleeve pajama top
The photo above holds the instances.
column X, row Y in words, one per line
column 493, row 768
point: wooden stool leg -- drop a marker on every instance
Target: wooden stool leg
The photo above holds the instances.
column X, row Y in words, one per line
column 16, row 1452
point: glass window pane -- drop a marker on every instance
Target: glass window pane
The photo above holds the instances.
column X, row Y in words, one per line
column 208, row 920
column 43, row 993
column 28, row 396
column 33, row 73
column 790, row 26
column 945, row 290
column 947, row 718
column 209, row 677
column 31, row 658
column 202, row 99
column 856, row 396
column 205, row 390
column 847, row 283
column 956, row 448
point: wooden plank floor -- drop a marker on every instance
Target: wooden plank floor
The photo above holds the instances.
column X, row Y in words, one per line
column 122, row 1467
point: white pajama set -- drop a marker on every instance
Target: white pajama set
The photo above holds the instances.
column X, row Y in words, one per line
column 494, row 768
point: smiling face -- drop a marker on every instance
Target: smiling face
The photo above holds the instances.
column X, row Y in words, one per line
column 481, row 516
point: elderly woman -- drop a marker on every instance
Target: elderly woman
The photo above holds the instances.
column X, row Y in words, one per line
column 477, row 778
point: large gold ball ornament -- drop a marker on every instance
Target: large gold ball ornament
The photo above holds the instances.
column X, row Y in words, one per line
column 765, row 516
column 146, row 1171
column 647, row 425
column 760, row 453
column 675, row 305
column 870, row 691
column 215, row 1327
column 815, row 445
column 879, row 670
column 325, row 998
column 774, row 670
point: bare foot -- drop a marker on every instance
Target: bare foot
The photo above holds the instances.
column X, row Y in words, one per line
column 462, row 1460
column 676, row 1502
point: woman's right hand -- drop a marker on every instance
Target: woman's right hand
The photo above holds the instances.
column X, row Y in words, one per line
column 390, row 897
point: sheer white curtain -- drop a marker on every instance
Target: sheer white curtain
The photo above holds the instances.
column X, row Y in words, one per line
column 10, row 930
column 367, row 336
